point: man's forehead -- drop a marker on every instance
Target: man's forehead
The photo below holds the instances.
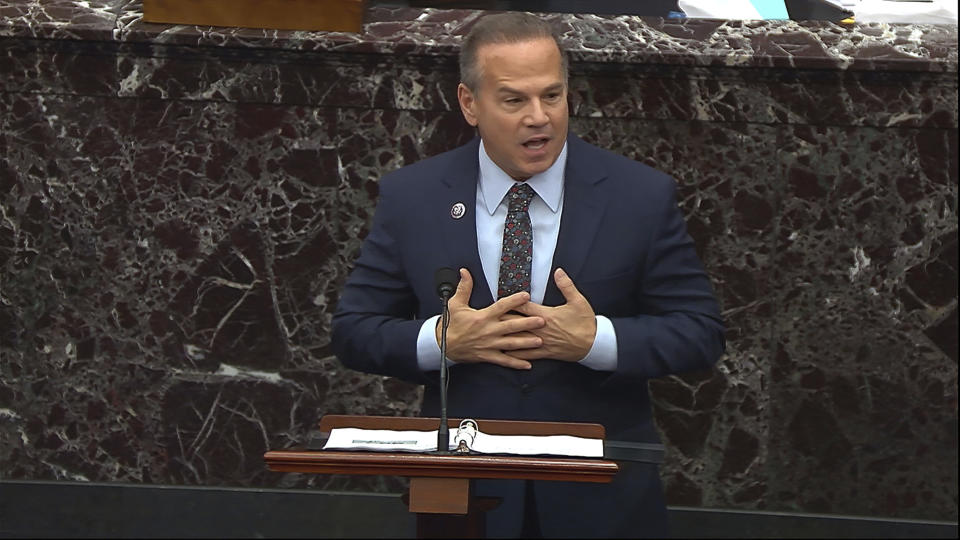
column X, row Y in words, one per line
column 519, row 60
column 503, row 47
column 504, row 87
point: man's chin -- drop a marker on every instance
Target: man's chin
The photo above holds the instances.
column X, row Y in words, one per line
column 527, row 173
column 540, row 166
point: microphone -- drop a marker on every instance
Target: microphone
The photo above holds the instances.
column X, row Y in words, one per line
column 446, row 280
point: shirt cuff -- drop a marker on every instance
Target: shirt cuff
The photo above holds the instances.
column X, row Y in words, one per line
column 603, row 353
column 428, row 351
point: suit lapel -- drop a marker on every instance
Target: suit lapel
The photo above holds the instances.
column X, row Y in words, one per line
column 583, row 207
column 460, row 235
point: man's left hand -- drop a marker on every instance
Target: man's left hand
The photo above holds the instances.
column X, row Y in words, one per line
column 570, row 328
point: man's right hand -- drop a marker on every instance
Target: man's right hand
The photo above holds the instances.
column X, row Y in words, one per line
column 488, row 334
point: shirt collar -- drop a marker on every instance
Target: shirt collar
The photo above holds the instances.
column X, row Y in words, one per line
column 494, row 183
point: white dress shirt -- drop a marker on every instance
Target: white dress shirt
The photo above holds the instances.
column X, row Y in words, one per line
column 545, row 210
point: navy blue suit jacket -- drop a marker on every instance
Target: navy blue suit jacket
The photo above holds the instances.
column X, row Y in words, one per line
column 622, row 240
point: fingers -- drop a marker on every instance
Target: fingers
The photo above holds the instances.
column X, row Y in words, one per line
column 508, row 303
column 516, row 342
column 520, row 301
column 530, row 354
column 531, row 309
column 506, row 360
column 519, row 324
column 569, row 291
column 566, row 286
column 464, row 289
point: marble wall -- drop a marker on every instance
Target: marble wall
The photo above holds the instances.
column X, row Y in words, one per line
column 180, row 206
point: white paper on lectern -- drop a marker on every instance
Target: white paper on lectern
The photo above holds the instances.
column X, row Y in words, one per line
column 532, row 445
column 384, row 440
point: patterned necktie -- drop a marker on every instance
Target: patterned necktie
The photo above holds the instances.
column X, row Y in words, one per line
column 517, row 252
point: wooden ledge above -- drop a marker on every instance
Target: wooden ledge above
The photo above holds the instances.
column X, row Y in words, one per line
column 313, row 15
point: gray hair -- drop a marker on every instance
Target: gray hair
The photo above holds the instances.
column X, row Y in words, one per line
column 510, row 27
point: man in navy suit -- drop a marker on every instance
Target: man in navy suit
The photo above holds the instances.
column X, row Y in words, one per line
column 616, row 292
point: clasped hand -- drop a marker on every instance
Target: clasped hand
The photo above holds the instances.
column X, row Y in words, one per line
column 513, row 331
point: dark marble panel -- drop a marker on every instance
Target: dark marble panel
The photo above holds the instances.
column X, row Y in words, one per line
column 715, row 423
column 169, row 294
column 426, row 81
column 60, row 19
column 865, row 412
column 787, row 44
column 57, row 67
column 765, row 96
column 279, row 77
column 230, row 75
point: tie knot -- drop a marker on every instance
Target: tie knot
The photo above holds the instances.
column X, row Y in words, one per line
column 519, row 197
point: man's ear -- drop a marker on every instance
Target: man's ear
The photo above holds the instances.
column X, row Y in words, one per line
column 468, row 103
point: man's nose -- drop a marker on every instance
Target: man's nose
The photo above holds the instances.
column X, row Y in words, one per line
column 536, row 114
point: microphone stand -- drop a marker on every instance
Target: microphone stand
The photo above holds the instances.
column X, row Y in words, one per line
column 443, row 432
column 446, row 280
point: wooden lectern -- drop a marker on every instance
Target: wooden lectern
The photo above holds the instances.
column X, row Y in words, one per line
column 441, row 491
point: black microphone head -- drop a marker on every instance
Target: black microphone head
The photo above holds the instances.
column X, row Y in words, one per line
column 446, row 280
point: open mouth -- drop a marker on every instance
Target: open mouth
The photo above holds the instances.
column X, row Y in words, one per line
column 536, row 143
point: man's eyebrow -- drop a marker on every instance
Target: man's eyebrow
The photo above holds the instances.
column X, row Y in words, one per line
column 554, row 87
column 508, row 90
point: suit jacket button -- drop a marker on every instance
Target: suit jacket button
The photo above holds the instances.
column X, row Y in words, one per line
column 526, row 388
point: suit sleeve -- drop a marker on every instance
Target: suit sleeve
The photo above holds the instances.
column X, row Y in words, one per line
column 374, row 329
column 678, row 326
